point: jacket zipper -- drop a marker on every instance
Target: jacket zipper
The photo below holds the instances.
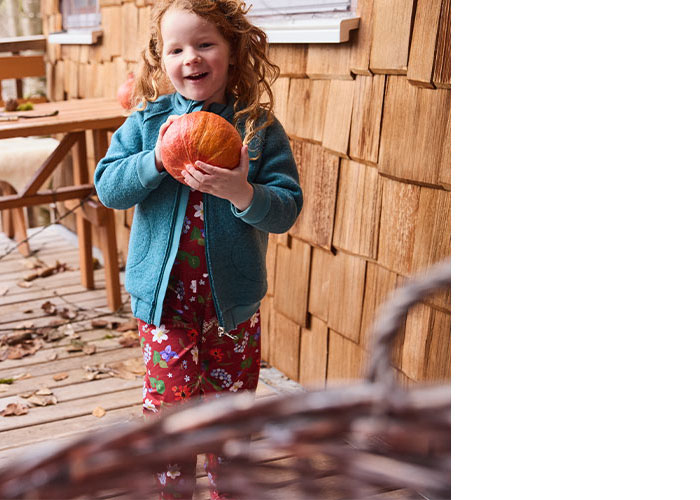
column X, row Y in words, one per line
column 167, row 253
column 221, row 331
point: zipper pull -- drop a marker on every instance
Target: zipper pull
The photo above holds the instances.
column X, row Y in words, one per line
column 223, row 332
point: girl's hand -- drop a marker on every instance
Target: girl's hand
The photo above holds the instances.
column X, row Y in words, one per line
column 229, row 184
column 163, row 128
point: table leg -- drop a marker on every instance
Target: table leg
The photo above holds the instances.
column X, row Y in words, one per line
column 80, row 176
column 108, row 234
column 108, row 239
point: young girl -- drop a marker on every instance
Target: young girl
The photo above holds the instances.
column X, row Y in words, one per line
column 196, row 264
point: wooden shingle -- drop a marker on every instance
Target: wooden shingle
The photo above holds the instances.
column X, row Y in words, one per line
column 112, row 27
column 313, row 354
column 391, row 33
column 280, row 91
column 58, row 88
column 416, row 341
column 270, row 264
column 438, row 358
column 307, row 113
column 330, row 60
column 345, row 295
column 415, row 138
column 362, row 43
column 347, row 361
column 290, row 57
column 336, row 129
column 357, row 209
column 423, row 43
column 397, row 225
column 131, row 40
column 442, row 71
column 144, row 16
column 284, row 354
column 292, row 269
column 415, row 229
column 366, row 118
column 321, row 268
column 432, row 235
column 318, row 175
column 379, row 285
column 267, row 331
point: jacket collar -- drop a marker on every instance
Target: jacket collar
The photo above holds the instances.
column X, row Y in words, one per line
column 183, row 105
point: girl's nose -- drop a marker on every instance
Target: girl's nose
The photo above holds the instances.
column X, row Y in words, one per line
column 192, row 57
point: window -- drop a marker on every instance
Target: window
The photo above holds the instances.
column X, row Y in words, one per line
column 305, row 21
column 81, row 22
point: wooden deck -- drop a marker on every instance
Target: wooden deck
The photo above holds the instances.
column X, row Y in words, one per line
column 60, row 366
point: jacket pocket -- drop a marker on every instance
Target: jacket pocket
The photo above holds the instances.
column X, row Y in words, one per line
column 249, row 257
column 139, row 241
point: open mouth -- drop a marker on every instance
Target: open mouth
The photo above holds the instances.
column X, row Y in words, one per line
column 196, row 76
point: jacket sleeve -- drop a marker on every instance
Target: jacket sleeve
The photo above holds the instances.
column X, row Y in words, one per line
column 127, row 174
column 277, row 196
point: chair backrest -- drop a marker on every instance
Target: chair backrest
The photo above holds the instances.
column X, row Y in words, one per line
column 16, row 65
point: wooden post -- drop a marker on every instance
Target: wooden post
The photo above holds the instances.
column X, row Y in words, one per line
column 108, row 242
column 107, row 233
column 80, row 176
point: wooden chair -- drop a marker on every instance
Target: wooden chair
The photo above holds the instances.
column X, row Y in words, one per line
column 15, row 154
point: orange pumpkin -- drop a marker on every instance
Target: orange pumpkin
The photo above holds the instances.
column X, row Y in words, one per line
column 125, row 93
column 200, row 136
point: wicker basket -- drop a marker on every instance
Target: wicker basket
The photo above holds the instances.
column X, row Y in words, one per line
column 346, row 442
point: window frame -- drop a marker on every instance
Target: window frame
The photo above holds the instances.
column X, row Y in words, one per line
column 305, row 21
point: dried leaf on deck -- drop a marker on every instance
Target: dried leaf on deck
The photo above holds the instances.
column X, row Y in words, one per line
column 33, row 263
column 3, row 290
column 99, row 412
column 52, row 357
column 129, row 369
column 25, row 348
column 26, row 395
column 98, row 323
column 4, row 388
column 24, row 326
column 68, row 329
column 55, row 335
column 96, row 372
column 89, row 349
column 28, row 311
column 60, row 376
column 130, row 339
column 44, row 271
column 37, row 400
column 24, row 284
column 49, row 308
column 14, row 409
column 16, row 338
column 131, row 324
column 44, row 391
column 68, row 313
column 76, row 345
column 22, row 376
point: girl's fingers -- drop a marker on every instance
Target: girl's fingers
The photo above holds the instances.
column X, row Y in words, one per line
column 243, row 163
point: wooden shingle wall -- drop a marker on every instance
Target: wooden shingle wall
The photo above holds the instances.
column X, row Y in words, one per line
column 369, row 124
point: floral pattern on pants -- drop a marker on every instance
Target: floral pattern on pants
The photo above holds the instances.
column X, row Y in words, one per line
column 186, row 357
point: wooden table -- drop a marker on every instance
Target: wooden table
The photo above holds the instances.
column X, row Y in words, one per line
column 76, row 119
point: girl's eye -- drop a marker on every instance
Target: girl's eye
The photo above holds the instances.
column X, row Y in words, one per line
column 175, row 51
column 206, row 44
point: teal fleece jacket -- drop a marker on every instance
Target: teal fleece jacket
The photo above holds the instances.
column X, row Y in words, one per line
column 235, row 241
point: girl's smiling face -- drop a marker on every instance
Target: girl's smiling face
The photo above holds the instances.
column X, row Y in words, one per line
column 195, row 55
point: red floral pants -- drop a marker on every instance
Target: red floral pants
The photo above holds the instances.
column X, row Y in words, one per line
column 185, row 357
